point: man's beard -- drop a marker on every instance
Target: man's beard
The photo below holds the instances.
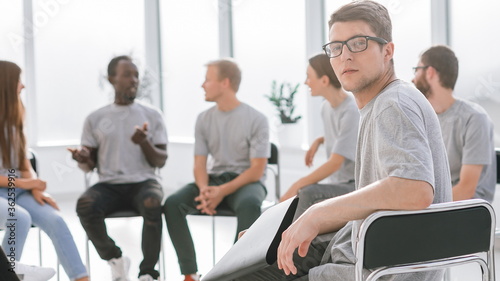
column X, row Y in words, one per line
column 423, row 86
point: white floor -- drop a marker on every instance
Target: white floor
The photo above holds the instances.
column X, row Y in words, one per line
column 127, row 234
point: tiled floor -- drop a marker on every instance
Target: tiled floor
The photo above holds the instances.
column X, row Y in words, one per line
column 127, row 232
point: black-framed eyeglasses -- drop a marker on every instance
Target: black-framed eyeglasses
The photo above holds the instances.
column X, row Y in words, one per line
column 355, row 44
column 416, row 68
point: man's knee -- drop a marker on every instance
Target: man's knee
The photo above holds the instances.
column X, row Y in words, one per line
column 250, row 204
column 85, row 205
column 151, row 203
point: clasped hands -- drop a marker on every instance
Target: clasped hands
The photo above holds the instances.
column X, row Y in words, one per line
column 209, row 198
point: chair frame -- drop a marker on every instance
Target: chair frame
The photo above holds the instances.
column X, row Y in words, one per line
column 122, row 214
column 275, row 169
column 469, row 255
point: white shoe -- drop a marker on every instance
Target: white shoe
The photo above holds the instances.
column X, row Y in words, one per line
column 33, row 273
column 146, row 277
column 119, row 268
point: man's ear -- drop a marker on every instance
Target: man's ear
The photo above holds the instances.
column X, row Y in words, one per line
column 111, row 80
column 431, row 73
column 389, row 51
column 225, row 83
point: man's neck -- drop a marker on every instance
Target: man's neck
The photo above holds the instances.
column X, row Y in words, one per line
column 441, row 99
column 228, row 103
column 364, row 96
column 120, row 100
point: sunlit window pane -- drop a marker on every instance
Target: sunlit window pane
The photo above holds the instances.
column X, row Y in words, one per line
column 269, row 44
column 474, row 40
column 190, row 39
column 11, row 31
column 74, row 41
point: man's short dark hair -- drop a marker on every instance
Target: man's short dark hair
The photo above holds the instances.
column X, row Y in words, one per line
column 445, row 62
column 114, row 62
column 373, row 13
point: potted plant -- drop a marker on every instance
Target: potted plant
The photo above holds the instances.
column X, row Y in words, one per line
column 282, row 99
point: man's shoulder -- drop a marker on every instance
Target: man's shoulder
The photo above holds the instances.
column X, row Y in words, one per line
column 209, row 111
column 470, row 107
column 397, row 93
column 251, row 112
column 100, row 111
column 147, row 107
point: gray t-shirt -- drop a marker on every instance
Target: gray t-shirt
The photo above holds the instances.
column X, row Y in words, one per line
column 110, row 128
column 231, row 138
column 341, row 133
column 399, row 137
column 469, row 140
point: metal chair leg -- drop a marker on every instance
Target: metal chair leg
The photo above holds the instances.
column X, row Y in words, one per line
column 40, row 246
column 87, row 254
column 213, row 240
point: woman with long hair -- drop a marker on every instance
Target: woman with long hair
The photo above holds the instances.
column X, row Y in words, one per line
column 22, row 198
column 340, row 123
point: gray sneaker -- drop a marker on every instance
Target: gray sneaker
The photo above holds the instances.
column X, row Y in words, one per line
column 119, row 268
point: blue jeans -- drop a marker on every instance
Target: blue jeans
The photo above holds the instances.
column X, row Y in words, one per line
column 27, row 212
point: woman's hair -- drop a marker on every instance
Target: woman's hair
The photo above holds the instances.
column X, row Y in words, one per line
column 11, row 117
column 321, row 65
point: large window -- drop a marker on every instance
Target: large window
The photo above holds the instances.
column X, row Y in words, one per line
column 11, row 32
column 476, row 46
column 185, row 52
column 411, row 31
column 74, row 41
column 269, row 44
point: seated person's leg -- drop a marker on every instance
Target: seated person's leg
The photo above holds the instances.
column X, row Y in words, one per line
column 52, row 223
column 176, row 207
column 148, row 203
column 314, row 193
column 92, row 207
column 16, row 233
column 246, row 202
column 304, row 264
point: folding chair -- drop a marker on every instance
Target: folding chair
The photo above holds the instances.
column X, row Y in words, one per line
column 122, row 214
column 441, row 236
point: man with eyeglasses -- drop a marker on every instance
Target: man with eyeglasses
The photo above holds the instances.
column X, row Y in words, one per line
column 400, row 158
column 466, row 127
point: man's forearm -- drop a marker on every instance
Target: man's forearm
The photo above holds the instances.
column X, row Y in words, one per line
column 388, row 194
column 156, row 155
column 250, row 175
column 86, row 167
